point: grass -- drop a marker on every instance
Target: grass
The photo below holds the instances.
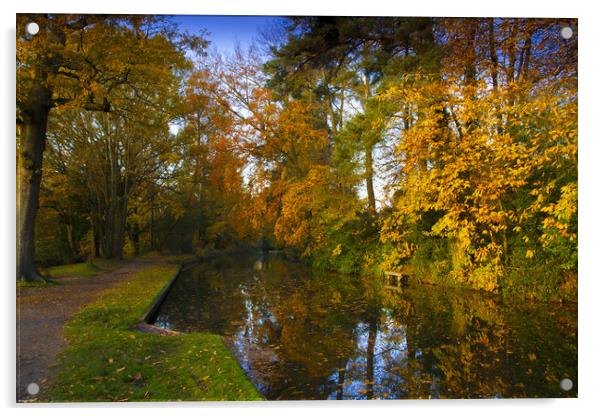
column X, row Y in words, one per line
column 86, row 269
column 106, row 360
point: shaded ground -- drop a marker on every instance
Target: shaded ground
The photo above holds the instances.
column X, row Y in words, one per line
column 42, row 313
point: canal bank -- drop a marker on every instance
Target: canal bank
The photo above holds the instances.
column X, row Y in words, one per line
column 108, row 360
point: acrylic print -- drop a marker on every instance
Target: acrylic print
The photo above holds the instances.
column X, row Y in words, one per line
column 295, row 208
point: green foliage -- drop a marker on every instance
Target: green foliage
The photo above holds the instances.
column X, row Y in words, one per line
column 349, row 247
column 52, row 245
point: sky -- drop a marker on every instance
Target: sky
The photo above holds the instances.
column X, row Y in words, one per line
column 227, row 31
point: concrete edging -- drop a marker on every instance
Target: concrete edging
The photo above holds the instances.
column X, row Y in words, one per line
column 154, row 306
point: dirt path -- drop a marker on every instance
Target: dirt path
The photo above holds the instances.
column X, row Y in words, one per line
column 41, row 316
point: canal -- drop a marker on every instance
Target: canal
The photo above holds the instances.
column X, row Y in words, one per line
column 301, row 334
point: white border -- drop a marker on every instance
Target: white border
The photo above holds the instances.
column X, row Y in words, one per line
column 590, row 191
column 511, row 8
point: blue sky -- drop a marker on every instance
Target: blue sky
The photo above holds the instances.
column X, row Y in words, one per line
column 226, row 31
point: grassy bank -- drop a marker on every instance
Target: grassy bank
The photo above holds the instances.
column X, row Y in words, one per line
column 85, row 269
column 106, row 360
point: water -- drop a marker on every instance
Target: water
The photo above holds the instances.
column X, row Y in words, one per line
column 305, row 335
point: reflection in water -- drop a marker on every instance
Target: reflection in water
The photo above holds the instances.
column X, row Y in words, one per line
column 305, row 335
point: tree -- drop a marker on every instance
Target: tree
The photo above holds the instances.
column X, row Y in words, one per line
column 110, row 159
column 77, row 61
column 356, row 51
column 488, row 139
column 209, row 178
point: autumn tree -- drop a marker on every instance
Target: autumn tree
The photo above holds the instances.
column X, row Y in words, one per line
column 77, row 61
column 110, row 159
column 209, row 173
column 352, row 54
column 488, row 139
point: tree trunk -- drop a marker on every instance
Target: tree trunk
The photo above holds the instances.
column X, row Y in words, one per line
column 71, row 240
column 135, row 236
column 95, row 237
column 152, row 228
column 370, row 179
column 493, row 54
column 494, row 71
column 368, row 148
column 31, row 150
column 120, row 231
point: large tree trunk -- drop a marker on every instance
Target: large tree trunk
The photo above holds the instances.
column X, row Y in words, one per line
column 31, row 150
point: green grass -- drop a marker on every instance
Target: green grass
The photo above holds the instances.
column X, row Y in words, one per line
column 106, row 360
column 21, row 284
column 87, row 269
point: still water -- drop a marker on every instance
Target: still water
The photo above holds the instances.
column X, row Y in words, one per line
column 299, row 334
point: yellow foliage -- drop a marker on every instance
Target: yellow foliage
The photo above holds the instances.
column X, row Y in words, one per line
column 471, row 147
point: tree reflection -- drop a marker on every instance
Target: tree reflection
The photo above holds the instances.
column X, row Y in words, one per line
column 304, row 335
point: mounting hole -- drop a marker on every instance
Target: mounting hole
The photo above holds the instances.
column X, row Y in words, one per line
column 33, row 388
column 566, row 32
column 566, row 384
column 32, row 28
